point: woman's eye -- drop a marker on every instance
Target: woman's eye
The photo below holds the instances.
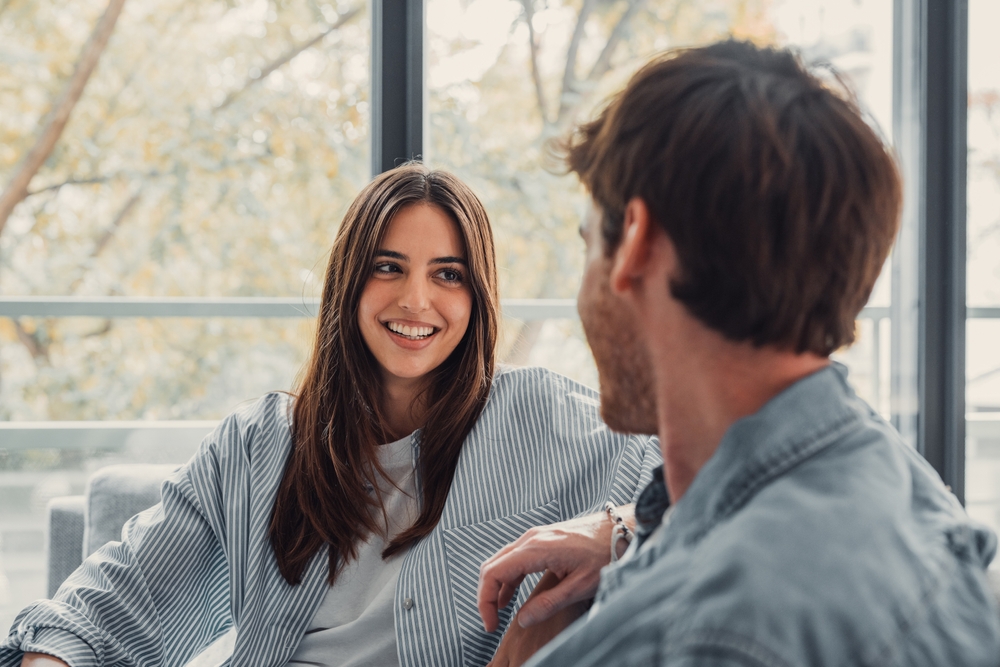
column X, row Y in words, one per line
column 386, row 267
column 451, row 275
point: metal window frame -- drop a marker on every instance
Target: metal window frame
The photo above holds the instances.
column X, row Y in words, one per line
column 929, row 291
column 397, row 83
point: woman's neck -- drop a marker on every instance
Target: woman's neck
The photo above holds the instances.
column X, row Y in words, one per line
column 403, row 407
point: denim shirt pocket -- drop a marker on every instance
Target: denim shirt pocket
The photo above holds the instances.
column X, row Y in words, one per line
column 466, row 547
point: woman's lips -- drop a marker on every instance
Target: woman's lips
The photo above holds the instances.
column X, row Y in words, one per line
column 412, row 332
column 411, row 343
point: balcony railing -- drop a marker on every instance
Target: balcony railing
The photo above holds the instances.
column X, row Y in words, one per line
column 112, row 435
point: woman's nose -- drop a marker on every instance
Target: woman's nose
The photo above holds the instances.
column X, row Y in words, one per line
column 415, row 296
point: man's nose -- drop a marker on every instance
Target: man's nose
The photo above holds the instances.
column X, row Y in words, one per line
column 415, row 297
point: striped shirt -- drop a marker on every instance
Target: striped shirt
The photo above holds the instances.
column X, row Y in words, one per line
column 201, row 562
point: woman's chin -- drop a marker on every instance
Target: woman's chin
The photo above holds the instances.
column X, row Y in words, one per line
column 407, row 373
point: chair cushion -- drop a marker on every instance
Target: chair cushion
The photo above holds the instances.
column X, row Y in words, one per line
column 117, row 493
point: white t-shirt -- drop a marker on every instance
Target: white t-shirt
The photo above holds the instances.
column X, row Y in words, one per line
column 355, row 623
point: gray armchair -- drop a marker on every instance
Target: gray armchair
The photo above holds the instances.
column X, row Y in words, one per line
column 80, row 525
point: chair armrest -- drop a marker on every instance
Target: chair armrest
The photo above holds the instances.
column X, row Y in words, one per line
column 63, row 540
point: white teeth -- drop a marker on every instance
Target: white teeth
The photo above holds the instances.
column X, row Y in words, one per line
column 410, row 332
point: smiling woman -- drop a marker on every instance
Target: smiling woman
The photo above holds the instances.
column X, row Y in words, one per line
column 395, row 261
column 416, row 307
column 346, row 524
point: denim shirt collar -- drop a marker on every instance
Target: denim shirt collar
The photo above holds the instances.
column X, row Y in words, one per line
column 796, row 424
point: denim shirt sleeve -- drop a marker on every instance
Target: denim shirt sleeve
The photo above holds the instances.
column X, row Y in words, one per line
column 640, row 642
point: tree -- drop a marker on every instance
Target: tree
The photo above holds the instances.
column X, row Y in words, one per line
column 212, row 153
column 52, row 128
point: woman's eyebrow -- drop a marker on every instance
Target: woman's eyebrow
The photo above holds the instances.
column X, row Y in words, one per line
column 449, row 260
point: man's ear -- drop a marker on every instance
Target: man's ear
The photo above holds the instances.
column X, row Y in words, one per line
column 631, row 260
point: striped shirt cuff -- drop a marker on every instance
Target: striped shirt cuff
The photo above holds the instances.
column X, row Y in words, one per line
column 56, row 642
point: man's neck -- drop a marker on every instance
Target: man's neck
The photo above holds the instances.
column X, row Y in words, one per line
column 704, row 388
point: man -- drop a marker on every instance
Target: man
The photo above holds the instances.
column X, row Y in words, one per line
column 742, row 213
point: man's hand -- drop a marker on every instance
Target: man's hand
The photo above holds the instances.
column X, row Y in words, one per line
column 572, row 551
column 520, row 643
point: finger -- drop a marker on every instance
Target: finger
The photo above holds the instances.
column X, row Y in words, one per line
column 508, row 569
column 507, row 591
column 488, row 612
column 545, row 604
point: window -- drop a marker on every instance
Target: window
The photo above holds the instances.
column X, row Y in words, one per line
column 188, row 205
column 211, row 155
column 983, row 277
column 506, row 76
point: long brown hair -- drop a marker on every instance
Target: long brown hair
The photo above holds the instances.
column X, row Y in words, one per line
column 336, row 417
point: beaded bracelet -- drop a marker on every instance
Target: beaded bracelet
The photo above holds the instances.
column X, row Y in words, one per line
column 619, row 531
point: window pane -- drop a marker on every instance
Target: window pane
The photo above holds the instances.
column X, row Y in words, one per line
column 213, row 152
column 983, row 271
column 499, row 88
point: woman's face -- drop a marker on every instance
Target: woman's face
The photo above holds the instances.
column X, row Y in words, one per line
column 417, row 303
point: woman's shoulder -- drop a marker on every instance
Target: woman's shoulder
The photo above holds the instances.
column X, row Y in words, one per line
column 260, row 426
column 520, row 384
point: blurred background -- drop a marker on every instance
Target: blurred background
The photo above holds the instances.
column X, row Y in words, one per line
column 217, row 144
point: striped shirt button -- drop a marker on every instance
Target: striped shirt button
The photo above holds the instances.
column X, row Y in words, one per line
column 408, row 603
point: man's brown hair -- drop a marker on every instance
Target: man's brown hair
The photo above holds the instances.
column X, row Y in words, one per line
column 781, row 201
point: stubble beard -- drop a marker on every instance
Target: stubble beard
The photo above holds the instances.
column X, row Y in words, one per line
column 628, row 397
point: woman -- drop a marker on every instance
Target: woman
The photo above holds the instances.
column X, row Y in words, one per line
column 347, row 526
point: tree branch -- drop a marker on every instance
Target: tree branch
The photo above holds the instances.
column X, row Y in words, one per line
column 55, row 122
column 603, row 63
column 37, row 350
column 106, row 237
column 529, row 13
column 73, row 181
column 267, row 70
column 569, row 91
column 155, row 173
column 573, row 98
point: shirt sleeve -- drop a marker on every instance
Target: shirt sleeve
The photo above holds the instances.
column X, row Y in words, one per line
column 652, row 459
column 638, row 641
column 160, row 595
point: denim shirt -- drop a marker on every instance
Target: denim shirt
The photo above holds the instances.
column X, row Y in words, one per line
column 813, row 536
